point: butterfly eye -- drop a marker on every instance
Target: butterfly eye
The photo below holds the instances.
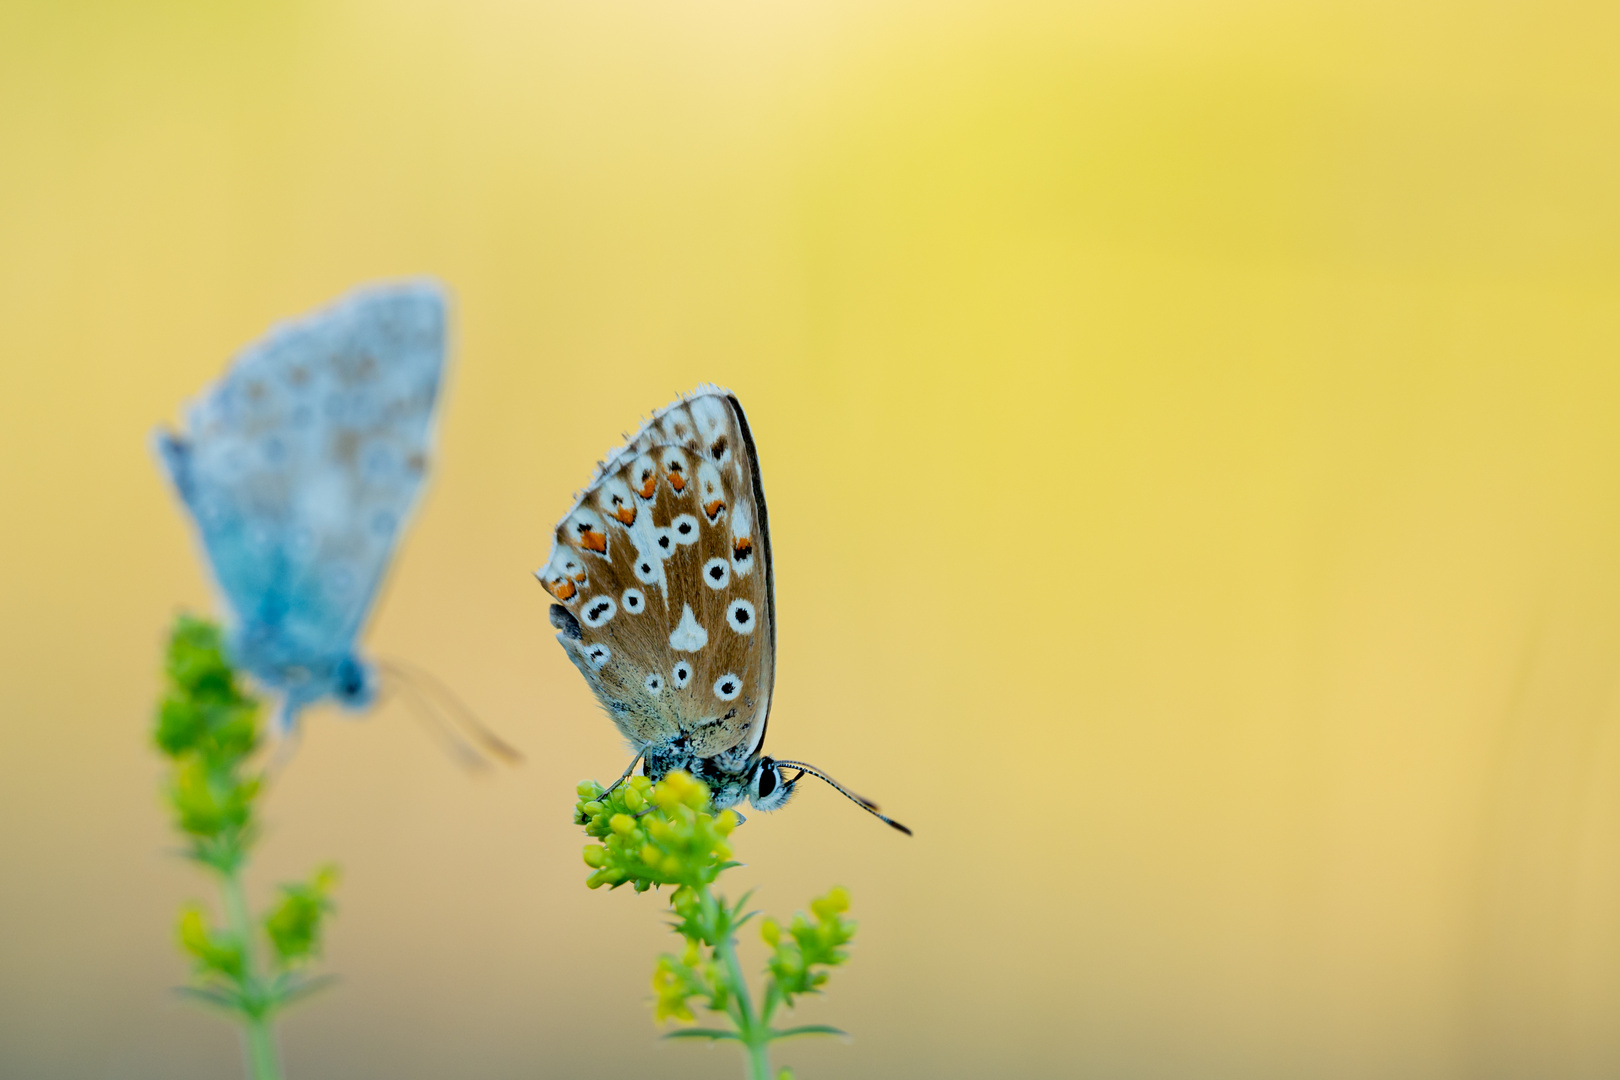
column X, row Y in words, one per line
column 681, row 675
column 598, row 610
column 740, row 616
column 727, row 687
column 654, row 683
column 767, row 781
column 717, row 573
column 685, row 529
column 633, row 601
column 598, row 655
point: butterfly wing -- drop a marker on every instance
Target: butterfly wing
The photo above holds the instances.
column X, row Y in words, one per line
column 301, row 466
column 663, row 572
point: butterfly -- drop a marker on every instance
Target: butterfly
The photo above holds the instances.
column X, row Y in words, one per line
column 666, row 603
column 299, row 469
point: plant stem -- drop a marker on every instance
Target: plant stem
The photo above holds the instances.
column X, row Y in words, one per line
column 257, row 1031
column 754, row 1032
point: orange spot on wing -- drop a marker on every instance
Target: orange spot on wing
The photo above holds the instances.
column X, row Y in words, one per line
column 714, row 508
column 626, row 515
column 742, row 547
column 676, row 480
column 649, row 484
column 562, row 589
column 593, row 540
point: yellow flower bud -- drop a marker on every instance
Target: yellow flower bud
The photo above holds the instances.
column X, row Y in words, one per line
column 650, row 854
column 592, row 808
column 623, row 824
column 595, row 856
column 726, row 822
column 635, row 801
column 692, row 955
column 588, row 789
column 770, row 933
column 826, row 908
column 671, row 865
column 194, row 931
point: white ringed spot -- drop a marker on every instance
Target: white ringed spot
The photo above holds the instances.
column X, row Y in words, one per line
column 664, row 540
column 598, row 610
column 597, row 655
column 633, row 601
column 717, row 573
column 681, row 674
column 654, row 683
column 740, row 616
column 649, row 571
column 685, row 529
column 727, row 687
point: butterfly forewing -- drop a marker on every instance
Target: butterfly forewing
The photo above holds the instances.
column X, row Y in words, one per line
column 664, row 567
column 301, row 465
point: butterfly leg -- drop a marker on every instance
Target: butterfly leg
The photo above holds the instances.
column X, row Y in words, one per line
column 633, row 763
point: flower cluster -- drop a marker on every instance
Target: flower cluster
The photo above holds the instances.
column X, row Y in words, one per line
column 666, row 834
column 294, row 925
column 808, row 946
column 209, row 729
column 660, row 834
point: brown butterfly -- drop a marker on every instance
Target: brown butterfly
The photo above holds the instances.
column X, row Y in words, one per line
column 666, row 603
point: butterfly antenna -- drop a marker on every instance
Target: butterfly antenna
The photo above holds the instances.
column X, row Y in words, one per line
column 432, row 717
column 461, row 712
column 865, row 804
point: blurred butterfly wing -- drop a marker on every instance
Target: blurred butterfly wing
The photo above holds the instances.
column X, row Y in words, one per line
column 301, row 466
column 663, row 570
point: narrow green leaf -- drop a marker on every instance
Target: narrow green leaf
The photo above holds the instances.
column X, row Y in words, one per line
column 810, row 1029
column 293, row 989
column 704, row 1033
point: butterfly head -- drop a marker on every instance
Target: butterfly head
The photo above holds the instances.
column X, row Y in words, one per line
column 354, row 683
column 767, row 788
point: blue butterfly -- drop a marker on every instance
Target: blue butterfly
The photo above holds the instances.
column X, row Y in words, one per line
column 299, row 469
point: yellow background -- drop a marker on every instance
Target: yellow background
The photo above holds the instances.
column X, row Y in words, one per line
column 1192, row 435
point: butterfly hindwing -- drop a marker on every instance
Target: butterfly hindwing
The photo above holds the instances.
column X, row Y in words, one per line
column 301, row 465
column 663, row 570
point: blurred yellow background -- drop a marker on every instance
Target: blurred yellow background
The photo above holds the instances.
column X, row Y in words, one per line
column 1192, row 435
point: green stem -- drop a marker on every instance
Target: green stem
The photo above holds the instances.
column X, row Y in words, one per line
column 754, row 1031
column 257, row 1030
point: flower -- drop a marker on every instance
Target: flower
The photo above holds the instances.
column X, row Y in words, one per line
column 653, row 834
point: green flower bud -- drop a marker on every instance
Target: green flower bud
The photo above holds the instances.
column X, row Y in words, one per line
column 595, row 856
